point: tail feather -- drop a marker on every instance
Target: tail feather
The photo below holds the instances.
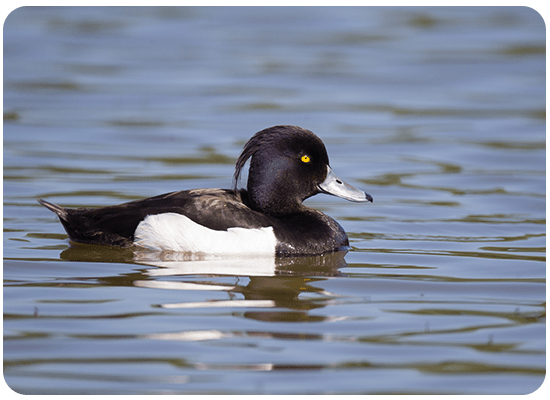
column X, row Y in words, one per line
column 96, row 226
column 60, row 211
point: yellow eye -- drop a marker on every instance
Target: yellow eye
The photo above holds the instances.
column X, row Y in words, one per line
column 306, row 159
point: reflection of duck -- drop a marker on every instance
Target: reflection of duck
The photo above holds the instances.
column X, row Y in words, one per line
column 173, row 264
column 288, row 165
column 179, row 263
column 260, row 283
column 255, row 284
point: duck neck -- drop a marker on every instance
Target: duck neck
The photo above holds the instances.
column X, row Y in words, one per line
column 267, row 195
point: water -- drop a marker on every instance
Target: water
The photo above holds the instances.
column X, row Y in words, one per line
column 439, row 113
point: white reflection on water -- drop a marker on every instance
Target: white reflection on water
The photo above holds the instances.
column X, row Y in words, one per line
column 223, row 303
column 190, row 264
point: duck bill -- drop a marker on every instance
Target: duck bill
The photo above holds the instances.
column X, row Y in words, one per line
column 337, row 187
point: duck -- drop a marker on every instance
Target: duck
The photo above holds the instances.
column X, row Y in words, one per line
column 288, row 164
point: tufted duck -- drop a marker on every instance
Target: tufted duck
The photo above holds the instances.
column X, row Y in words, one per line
column 288, row 164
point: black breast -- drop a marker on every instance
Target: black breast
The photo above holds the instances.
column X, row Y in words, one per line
column 308, row 233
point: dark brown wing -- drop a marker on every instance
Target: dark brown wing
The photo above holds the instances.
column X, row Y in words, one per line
column 217, row 209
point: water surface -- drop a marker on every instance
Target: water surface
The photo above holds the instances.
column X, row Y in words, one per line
column 439, row 113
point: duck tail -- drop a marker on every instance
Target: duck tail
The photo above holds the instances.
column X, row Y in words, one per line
column 60, row 211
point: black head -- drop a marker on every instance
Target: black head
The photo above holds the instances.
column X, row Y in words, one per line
column 288, row 164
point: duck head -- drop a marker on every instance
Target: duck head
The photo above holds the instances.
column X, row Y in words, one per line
column 288, row 164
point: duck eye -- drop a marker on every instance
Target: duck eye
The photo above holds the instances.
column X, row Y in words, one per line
column 305, row 159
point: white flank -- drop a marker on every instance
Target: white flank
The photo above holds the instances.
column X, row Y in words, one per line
column 176, row 232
